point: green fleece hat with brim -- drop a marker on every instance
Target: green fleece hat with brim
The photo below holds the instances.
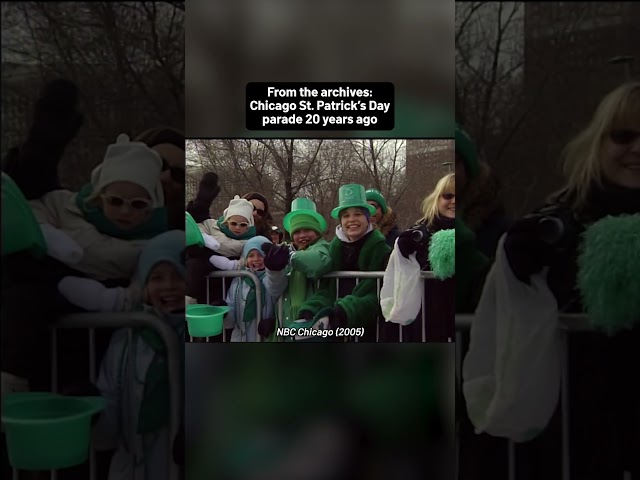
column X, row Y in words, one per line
column 374, row 195
column 352, row 196
column 304, row 214
column 466, row 149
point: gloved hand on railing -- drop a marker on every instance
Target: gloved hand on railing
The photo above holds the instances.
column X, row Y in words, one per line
column 267, row 326
column 526, row 252
column 223, row 263
column 210, row 242
column 276, row 256
column 91, row 295
column 407, row 243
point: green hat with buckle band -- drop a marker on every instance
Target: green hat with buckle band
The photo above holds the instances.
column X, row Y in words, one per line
column 352, row 195
column 374, row 195
column 304, row 214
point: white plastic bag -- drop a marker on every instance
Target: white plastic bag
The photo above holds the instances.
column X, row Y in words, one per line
column 512, row 372
column 401, row 293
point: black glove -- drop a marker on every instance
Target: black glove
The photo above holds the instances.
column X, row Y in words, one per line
column 407, row 244
column 526, row 252
column 306, row 315
column 276, row 256
column 55, row 118
column 266, row 326
column 208, row 190
column 337, row 318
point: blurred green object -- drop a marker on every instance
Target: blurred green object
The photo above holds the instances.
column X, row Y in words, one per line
column 46, row 431
column 205, row 320
column 20, row 230
column 194, row 235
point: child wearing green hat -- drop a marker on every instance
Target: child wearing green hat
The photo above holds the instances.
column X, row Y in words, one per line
column 292, row 271
column 242, row 295
column 356, row 247
column 135, row 371
column 384, row 218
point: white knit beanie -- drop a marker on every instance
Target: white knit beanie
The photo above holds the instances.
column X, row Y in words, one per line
column 239, row 206
column 134, row 162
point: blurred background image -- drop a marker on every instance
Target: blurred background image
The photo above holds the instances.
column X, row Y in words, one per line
column 407, row 42
column 322, row 413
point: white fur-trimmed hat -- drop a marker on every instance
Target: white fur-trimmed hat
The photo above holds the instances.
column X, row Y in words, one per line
column 127, row 161
column 239, row 206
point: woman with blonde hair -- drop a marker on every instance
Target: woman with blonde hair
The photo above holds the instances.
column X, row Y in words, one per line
column 438, row 215
column 578, row 254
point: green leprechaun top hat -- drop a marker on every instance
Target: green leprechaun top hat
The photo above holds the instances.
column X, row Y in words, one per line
column 304, row 214
column 352, row 195
column 466, row 149
column 374, row 195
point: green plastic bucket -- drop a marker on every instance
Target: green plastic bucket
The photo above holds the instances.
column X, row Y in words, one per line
column 20, row 230
column 205, row 320
column 193, row 233
column 46, row 431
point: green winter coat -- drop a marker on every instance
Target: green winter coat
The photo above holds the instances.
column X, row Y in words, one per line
column 311, row 263
column 362, row 305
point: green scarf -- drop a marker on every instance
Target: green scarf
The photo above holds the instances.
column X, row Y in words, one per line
column 245, row 236
column 155, row 406
column 156, row 224
column 251, row 304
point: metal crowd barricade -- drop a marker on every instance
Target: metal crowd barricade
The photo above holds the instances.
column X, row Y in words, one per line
column 125, row 320
column 337, row 275
column 567, row 323
column 234, row 274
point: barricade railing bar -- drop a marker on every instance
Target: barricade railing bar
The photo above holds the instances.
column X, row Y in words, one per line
column 567, row 323
column 337, row 275
column 128, row 320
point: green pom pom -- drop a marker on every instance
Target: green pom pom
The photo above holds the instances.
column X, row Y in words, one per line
column 608, row 266
column 442, row 253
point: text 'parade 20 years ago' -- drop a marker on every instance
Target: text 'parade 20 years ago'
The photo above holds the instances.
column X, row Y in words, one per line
column 330, row 106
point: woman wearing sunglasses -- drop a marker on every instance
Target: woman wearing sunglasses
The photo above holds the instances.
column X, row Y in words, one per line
column 438, row 213
column 579, row 253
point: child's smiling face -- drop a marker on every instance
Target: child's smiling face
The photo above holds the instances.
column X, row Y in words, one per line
column 255, row 261
column 165, row 289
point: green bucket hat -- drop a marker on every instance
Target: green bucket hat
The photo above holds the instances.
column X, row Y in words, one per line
column 374, row 195
column 352, row 195
column 304, row 214
column 20, row 229
column 194, row 235
column 466, row 149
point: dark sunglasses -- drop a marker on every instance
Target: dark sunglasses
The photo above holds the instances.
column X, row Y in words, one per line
column 241, row 224
column 259, row 210
column 623, row 136
column 177, row 173
column 448, row 196
column 135, row 203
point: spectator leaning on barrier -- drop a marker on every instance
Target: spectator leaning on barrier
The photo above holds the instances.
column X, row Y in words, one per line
column 385, row 218
column 135, row 369
column 293, row 271
column 242, row 294
column 435, row 251
column 356, row 247
column 579, row 253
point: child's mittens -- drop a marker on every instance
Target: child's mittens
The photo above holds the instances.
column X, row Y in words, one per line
column 277, row 256
column 91, row 295
column 60, row 245
column 223, row 263
column 210, row 242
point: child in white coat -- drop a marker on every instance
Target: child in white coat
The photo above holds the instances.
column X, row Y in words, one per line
column 242, row 295
column 134, row 374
